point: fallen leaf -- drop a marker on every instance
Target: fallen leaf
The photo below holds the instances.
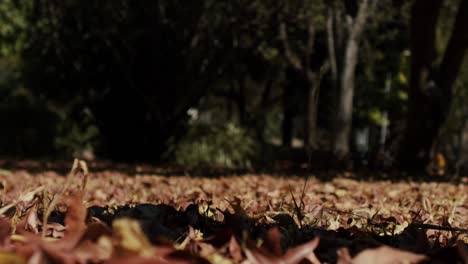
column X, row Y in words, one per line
column 11, row 258
column 235, row 249
column 75, row 218
column 130, row 238
column 293, row 256
column 304, row 251
column 383, row 255
column 462, row 250
column 55, row 230
column 32, row 221
column 5, row 230
column 88, row 251
column 273, row 241
column 343, row 256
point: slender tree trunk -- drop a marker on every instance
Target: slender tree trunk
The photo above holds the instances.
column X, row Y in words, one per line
column 261, row 119
column 430, row 91
column 313, row 92
column 311, row 116
column 241, row 103
column 331, row 44
column 287, row 122
column 335, row 55
column 346, row 93
column 311, row 78
column 462, row 155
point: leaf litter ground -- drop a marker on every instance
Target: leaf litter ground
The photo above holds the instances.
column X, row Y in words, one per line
column 113, row 216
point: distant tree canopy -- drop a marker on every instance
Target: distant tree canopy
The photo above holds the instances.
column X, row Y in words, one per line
column 138, row 66
column 133, row 79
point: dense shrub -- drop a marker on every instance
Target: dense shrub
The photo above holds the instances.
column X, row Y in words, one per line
column 226, row 146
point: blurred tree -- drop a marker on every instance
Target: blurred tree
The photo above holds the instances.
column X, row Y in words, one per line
column 431, row 81
column 122, row 75
column 310, row 65
column 138, row 66
column 344, row 72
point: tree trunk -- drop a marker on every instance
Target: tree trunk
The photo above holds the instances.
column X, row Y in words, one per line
column 345, row 105
column 430, row 92
column 346, row 93
column 454, row 56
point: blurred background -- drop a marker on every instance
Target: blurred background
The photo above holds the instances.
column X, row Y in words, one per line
column 237, row 83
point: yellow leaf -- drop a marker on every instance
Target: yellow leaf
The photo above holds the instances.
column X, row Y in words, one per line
column 10, row 258
column 341, row 192
column 131, row 239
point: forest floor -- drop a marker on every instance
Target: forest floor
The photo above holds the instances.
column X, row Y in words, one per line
column 138, row 214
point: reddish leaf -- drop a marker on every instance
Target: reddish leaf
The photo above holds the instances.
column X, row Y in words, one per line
column 273, row 241
column 304, row 251
column 74, row 219
column 143, row 260
column 96, row 230
column 462, row 251
column 235, row 249
column 257, row 257
column 5, row 230
column 292, row 256
column 344, row 257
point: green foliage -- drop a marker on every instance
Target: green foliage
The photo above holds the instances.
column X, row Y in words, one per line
column 75, row 137
column 12, row 26
column 226, row 146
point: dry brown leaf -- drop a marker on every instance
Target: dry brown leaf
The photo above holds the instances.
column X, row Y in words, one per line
column 383, row 255
column 55, row 230
column 32, row 221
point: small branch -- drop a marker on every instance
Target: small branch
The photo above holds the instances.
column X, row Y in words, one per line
column 436, row 227
column 357, row 26
column 310, row 37
column 332, row 46
column 290, row 56
column 326, row 66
